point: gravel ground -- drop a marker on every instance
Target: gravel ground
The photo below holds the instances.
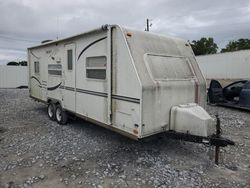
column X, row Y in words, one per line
column 36, row 152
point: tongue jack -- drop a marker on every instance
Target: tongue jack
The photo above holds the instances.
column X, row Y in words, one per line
column 218, row 134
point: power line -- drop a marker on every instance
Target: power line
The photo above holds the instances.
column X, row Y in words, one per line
column 22, row 50
column 18, row 39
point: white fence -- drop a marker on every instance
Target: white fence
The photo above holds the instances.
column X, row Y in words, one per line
column 226, row 66
column 13, row 76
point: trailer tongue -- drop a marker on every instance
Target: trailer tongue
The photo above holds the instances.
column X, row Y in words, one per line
column 190, row 122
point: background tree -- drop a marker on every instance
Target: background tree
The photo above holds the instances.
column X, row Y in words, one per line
column 204, row 46
column 241, row 44
column 23, row 63
column 13, row 63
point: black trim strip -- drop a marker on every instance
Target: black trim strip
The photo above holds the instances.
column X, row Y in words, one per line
column 128, row 99
column 54, row 87
column 92, row 92
column 69, row 88
column 36, row 79
column 84, row 49
column 101, row 94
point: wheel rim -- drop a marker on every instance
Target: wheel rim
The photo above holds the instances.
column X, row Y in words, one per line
column 50, row 110
column 59, row 114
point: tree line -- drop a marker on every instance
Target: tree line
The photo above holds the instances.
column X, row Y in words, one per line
column 208, row 46
column 20, row 63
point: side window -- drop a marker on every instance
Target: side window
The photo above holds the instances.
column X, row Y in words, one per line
column 36, row 67
column 236, row 85
column 247, row 85
column 70, row 59
column 55, row 69
column 96, row 67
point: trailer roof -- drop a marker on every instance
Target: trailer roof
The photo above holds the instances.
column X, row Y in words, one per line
column 97, row 30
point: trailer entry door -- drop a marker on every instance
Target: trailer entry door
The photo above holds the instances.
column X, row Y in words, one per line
column 69, row 77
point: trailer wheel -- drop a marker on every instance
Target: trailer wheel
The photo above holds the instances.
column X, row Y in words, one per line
column 51, row 111
column 61, row 115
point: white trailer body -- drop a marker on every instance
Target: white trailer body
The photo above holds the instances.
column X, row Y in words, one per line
column 133, row 82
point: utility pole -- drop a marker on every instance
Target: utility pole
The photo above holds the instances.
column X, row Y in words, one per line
column 148, row 25
column 147, row 29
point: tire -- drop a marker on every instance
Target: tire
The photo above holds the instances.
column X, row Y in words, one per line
column 51, row 110
column 61, row 115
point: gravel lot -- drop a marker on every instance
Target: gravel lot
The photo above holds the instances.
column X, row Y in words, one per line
column 36, row 152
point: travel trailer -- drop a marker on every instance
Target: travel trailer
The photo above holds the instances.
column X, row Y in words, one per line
column 134, row 82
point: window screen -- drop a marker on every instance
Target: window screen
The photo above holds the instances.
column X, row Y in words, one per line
column 96, row 67
column 36, row 66
column 169, row 67
column 55, row 69
column 70, row 59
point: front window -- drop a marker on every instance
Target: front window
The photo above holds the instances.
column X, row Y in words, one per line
column 168, row 67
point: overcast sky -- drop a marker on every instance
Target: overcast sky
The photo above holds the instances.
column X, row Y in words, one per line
column 24, row 23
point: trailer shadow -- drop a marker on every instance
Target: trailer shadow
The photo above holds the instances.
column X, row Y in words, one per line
column 99, row 144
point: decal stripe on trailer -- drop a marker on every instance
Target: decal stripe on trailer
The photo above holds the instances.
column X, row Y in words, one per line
column 101, row 94
column 55, row 87
column 43, row 85
column 84, row 49
column 36, row 79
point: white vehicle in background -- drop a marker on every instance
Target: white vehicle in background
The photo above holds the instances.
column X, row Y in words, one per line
column 133, row 82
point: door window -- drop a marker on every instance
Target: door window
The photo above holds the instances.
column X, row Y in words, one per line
column 36, row 67
column 70, row 59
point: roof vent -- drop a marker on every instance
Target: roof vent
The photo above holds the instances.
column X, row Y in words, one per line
column 45, row 41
